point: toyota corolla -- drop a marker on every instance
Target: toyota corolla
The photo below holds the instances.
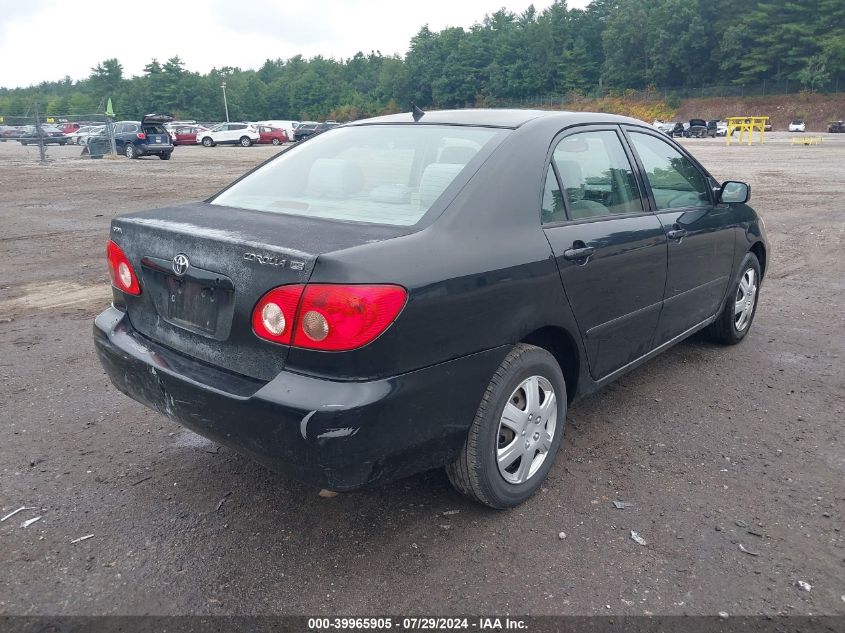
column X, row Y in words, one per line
column 412, row 292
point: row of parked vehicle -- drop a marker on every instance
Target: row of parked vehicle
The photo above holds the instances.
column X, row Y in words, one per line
column 694, row 128
column 246, row 134
column 158, row 135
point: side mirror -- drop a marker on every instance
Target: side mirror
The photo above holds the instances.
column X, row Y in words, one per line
column 733, row 192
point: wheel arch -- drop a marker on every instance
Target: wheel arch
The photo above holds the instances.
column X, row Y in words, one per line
column 560, row 344
column 759, row 249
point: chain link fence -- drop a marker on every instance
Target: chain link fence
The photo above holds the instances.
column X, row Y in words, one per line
column 46, row 137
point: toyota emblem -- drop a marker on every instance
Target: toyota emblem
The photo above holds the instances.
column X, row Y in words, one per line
column 181, row 264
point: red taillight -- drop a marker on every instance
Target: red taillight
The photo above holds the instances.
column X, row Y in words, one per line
column 337, row 318
column 327, row 317
column 274, row 315
column 123, row 277
column 141, row 135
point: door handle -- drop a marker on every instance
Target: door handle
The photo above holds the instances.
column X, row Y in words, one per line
column 676, row 234
column 573, row 254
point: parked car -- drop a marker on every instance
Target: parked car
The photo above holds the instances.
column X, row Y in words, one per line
column 147, row 137
column 677, row 130
column 243, row 134
column 713, row 129
column 345, row 312
column 134, row 139
column 797, row 125
column 70, row 128
column 696, row 128
column 721, row 128
column 304, row 130
column 81, row 134
column 288, row 126
column 663, row 126
column 273, row 135
column 836, row 127
column 186, row 134
column 11, row 132
column 49, row 135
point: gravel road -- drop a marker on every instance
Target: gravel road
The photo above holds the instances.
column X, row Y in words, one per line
column 715, row 448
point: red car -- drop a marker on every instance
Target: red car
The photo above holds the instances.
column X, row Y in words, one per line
column 273, row 135
column 186, row 134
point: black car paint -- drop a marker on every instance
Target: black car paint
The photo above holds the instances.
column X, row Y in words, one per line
column 482, row 274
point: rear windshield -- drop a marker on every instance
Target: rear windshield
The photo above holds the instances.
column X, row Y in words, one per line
column 383, row 174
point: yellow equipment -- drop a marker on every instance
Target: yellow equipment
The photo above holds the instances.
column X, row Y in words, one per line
column 806, row 140
column 746, row 124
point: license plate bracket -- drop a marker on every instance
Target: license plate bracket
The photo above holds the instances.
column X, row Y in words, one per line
column 200, row 301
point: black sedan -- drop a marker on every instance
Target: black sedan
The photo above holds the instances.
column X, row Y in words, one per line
column 398, row 295
column 47, row 135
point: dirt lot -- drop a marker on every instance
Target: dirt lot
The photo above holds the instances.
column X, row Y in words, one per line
column 715, row 447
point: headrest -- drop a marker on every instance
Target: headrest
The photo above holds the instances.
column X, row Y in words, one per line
column 435, row 179
column 456, row 154
column 334, row 177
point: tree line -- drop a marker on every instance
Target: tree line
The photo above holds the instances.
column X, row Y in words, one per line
column 506, row 57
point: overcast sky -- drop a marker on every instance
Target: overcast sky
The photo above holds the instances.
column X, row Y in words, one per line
column 48, row 39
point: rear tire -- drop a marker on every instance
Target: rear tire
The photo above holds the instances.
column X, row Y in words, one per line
column 207, row 142
column 164, row 156
column 738, row 314
column 245, row 141
column 276, row 141
column 129, row 151
column 506, row 423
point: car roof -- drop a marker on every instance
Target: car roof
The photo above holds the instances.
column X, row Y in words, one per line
column 505, row 118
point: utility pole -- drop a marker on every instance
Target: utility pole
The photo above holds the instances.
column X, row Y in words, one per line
column 41, row 149
column 225, row 103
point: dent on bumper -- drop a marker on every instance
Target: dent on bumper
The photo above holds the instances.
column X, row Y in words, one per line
column 335, row 434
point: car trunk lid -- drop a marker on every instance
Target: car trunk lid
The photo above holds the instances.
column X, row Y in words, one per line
column 203, row 267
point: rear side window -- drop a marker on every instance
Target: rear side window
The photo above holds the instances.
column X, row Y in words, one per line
column 384, row 174
column 675, row 182
column 596, row 175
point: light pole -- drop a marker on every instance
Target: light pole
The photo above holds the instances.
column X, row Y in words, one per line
column 225, row 103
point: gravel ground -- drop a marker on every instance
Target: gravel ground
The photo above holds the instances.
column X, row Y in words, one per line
column 716, row 448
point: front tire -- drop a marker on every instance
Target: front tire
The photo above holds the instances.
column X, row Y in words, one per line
column 516, row 433
column 245, row 141
column 736, row 317
column 207, row 142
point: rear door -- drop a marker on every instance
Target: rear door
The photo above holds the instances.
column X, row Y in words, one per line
column 700, row 234
column 610, row 249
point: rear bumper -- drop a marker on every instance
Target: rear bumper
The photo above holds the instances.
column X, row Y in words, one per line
column 331, row 434
column 155, row 148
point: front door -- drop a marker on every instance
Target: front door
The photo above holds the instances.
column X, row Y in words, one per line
column 700, row 234
column 610, row 249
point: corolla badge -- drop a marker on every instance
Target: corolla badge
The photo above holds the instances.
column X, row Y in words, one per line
column 181, row 263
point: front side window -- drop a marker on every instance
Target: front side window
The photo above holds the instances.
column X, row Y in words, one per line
column 675, row 182
column 384, row 174
column 596, row 175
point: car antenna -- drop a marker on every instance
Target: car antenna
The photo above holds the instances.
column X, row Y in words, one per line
column 416, row 112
